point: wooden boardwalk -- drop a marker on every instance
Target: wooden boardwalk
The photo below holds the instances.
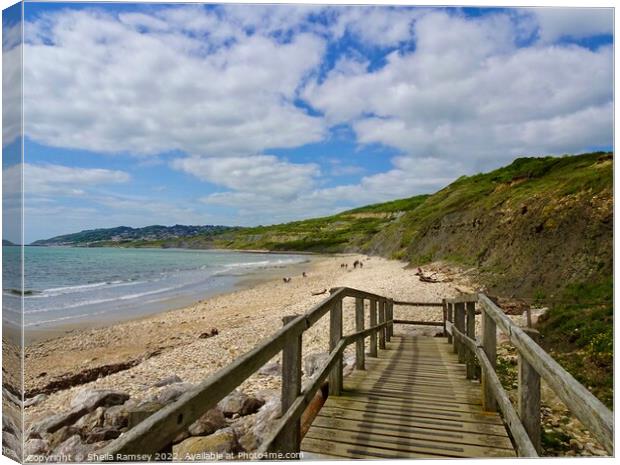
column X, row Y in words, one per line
column 413, row 401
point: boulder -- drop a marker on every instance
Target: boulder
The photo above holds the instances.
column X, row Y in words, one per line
column 61, row 435
column 54, row 423
column 116, row 417
column 271, row 369
column 209, row 423
column 172, row 392
column 138, row 413
column 34, row 449
column 36, row 400
column 101, row 433
column 239, row 403
column 93, row 398
column 167, row 381
column 200, row 448
column 91, row 420
column 11, row 446
column 253, row 430
column 72, row 450
column 314, row 361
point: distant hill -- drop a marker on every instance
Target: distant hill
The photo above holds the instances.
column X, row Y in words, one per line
column 7, row 242
column 124, row 235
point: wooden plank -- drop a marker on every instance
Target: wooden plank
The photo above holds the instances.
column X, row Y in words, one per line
column 318, row 446
column 405, row 444
column 585, row 406
column 418, row 304
column 415, row 402
column 459, row 324
column 421, row 422
column 418, row 323
column 422, row 395
column 413, row 432
column 421, row 412
column 470, row 330
column 468, row 398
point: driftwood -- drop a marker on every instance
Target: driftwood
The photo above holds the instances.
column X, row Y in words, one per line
column 319, row 292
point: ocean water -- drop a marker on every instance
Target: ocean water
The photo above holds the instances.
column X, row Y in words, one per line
column 65, row 286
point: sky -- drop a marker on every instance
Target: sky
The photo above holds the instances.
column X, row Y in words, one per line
column 139, row 114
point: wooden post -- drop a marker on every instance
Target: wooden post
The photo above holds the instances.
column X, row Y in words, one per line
column 290, row 439
column 382, row 320
column 335, row 335
column 359, row 326
column 529, row 397
column 489, row 345
column 459, row 323
column 471, row 333
column 373, row 322
column 450, row 319
column 444, row 306
column 389, row 330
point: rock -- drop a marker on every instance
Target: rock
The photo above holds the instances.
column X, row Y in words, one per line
column 72, row 450
column 253, row 430
column 250, row 406
column 93, row 398
column 271, row 369
column 169, row 380
column 239, row 403
column 208, row 334
column 91, row 420
column 232, row 403
column 61, row 435
column 99, row 434
column 314, row 361
column 138, row 413
column 222, row 442
column 116, row 417
column 11, row 446
column 36, row 400
column 209, row 423
column 54, row 423
column 33, row 448
column 172, row 392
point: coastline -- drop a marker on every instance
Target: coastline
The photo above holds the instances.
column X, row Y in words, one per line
column 155, row 347
column 252, row 277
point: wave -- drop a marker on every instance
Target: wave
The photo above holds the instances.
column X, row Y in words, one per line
column 102, row 301
column 56, row 291
column 63, row 318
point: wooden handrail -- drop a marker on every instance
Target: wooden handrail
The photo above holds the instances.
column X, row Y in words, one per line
column 581, row 402
column 159, row 430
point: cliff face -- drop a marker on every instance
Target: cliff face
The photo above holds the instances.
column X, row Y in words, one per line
column 530, row 228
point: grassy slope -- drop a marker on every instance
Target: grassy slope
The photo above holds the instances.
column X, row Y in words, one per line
column 540, row 228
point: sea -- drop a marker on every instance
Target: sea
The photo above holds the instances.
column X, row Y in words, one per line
column 66, row 286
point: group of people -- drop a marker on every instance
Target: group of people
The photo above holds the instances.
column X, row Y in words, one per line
column 356, row 264
column 289, row 279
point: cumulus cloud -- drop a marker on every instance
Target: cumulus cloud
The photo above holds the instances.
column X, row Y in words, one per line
column 224, row 87
column 64, row 180
column 576, row 23
column 256, row 175
column 95, row 81
column 468, row 92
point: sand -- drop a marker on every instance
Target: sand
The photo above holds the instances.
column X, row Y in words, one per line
column 169, row 343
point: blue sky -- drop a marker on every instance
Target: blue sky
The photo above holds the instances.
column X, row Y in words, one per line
column 255, row 114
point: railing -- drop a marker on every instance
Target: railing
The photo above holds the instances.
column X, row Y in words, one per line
column 157, row 432
column 534, row 364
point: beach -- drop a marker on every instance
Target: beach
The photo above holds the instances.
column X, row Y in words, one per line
column 149, row 349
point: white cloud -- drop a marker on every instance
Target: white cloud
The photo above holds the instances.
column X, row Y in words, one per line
column 576, row 23
column 103, row 85
column 11, row 83
column 468, row 93
column 65, row 180
column 254, row 175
